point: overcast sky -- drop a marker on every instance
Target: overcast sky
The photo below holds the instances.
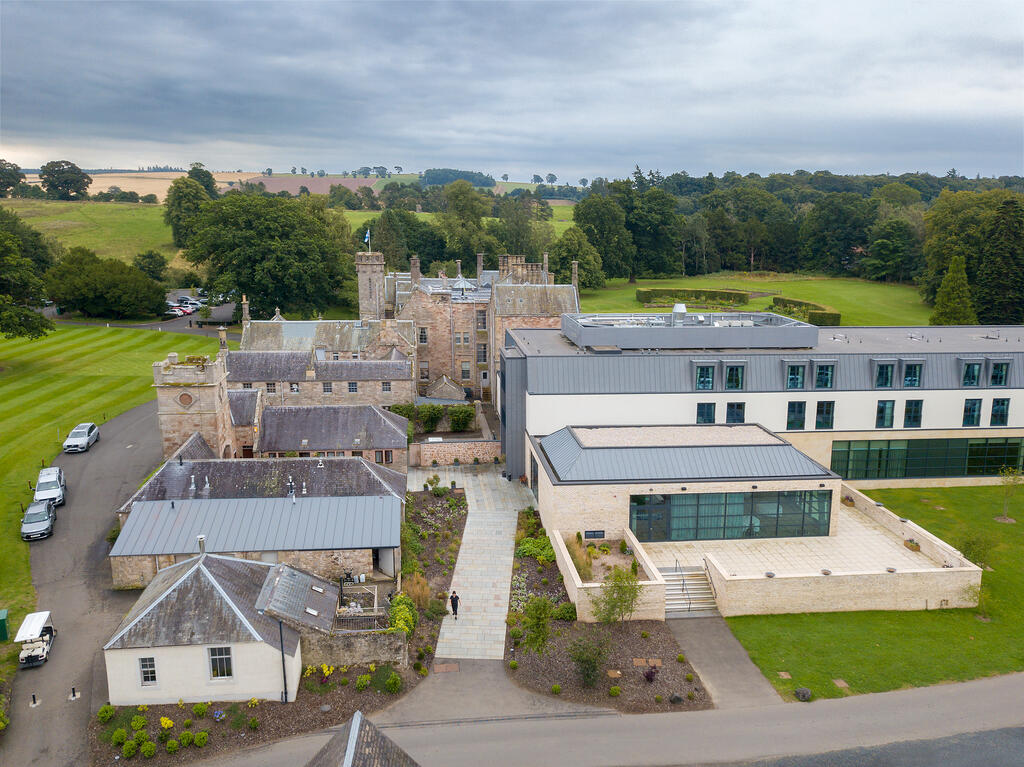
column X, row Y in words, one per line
column 574, row 88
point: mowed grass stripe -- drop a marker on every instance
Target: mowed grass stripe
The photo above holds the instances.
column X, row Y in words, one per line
column 59, row 390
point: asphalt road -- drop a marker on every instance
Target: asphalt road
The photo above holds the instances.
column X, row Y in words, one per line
column 72, row 580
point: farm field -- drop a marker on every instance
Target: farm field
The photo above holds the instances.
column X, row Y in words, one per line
column 46, row 387
column 861, row 302
column 879, row 651
column 112, row 229
column 145, row 182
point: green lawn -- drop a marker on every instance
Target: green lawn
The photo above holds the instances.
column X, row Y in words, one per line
column 111, row 229
column 861, row 302
column 878, row 651
column 46, row 387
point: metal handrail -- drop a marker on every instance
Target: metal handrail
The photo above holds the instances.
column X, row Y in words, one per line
column 707, row 574
column 682, row 582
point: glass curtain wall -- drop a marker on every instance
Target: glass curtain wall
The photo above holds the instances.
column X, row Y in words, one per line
column 910, row 458
column 725, row 516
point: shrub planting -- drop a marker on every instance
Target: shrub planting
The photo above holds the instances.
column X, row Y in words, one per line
column 565, row 612
column 393, row 685
column 106, row 713
column 201, row 738
column 615, row 691
column 199, row 710
column 254, row 723
column 403, row 615
column 588, row 654
column 581, row 559
column 556, row 688
column 119, row 737
column 129, row 749
column 172, row 746
column 362, row 681
column 513, row 664
column 185, row 738
column 148, row 749
column 139, row 722
column 418, row 590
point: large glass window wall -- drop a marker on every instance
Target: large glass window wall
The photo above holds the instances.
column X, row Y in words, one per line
column 718, row 516
column 911, row 458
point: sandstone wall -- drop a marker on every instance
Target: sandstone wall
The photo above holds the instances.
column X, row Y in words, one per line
column 312, row 393
column 446, row 452
column 359, row 648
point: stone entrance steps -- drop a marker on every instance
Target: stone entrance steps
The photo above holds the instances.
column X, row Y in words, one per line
column 688, row 593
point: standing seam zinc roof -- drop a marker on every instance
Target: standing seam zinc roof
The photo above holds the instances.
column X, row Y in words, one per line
column 572, row 462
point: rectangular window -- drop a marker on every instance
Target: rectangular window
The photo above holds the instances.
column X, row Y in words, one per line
column 465, row 371
column 220, row 662
column 423, row 335
column 293, row 388
column 481, row 352
column 481, row 319
column 912, row 375
column 1000, row 412
column 378, row 456
column 385, row 385
column 795, row 377
column 458, row 338
column 972, row 412
column 705, row 377
column 883, row 413
column 147, row 671
column 328, row 387
column 734, row 377
column 972, row 374
column 796, row 415
column 823, row 376
column 926, row 458
column 824, row 415
column 353, row 387
column 424, row 371
column 388, row 456
column 357, row 453
column 271, row 387
column 1000, row 374
column 705, row 412
column 247, row 386
column 883, row 376
column 912, row 414
column 734, row 412
column 335, row 356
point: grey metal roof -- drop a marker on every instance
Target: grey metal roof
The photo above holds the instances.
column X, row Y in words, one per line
column 260, row 524
column 204, row 600
column 572, row 462
column 243, row 407
column 331, row 427
column 249, row 366
column 298, row 597
column 359, row 744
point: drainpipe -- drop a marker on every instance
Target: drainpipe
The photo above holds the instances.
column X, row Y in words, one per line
column 284, row 670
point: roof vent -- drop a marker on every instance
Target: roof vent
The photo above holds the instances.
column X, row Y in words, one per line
column 303, row 487
column 201, row 540
column 320, row 463
column 311, row 611
column 318, row 589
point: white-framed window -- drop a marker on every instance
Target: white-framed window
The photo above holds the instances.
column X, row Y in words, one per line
column 147, row 671
column 220, row 663
column 423, row 335
column 293, row 388
column 247, row 386
column 465, row 371
column 335, row 356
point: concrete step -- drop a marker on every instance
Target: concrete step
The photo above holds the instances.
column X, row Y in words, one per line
column 675, row 614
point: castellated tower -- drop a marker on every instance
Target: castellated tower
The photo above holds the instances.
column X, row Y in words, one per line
column 370, row 273
column 192, row 396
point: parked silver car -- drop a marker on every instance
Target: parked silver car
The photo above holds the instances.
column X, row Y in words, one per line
column 82, row 438
column 38, row 521
column 51, row 486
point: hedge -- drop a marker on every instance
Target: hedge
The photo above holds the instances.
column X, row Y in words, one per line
column 816, row 317
column 651, row 295
column 816, row 313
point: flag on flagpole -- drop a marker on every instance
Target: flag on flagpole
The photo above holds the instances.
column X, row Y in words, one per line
column 367, row 237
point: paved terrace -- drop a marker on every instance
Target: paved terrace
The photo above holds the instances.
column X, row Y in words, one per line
column 859, row 545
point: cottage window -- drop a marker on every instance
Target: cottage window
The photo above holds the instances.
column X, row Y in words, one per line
column 423, row 335
column 220, row 663
column 271, row 387
column 335, row 356
column 883, row 376
column 823, row 376
column 385, row 385
column 912, row 375
column 247, row 386
column 357, row 453
column 378, row 456
column 147, row 671
column 388, row 456
column 293, row 388
column 705, row 378
column 353, row 387
column 795, row 377
column 328, row 387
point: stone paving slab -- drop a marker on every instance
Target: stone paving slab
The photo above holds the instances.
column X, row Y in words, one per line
column 483, row 571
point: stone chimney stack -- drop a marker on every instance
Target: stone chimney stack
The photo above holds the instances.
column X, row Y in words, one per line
column 444, row 278
column 414, row 269
column 222, row 333
column 458, row 267
column 245, row 309
column 576, row 275
column 479, row 265
column 545, row 265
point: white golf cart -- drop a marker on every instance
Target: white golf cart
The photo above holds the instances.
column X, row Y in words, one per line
column 36, row 637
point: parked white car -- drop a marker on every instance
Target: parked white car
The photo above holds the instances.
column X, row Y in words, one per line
column 82, row 438
column 51, row 486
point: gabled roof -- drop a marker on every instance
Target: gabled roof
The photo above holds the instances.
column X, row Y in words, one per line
column 249, row 366
column 194, row 448
column 205, row 600
column 359, row 744
column 234, row 525
column 331, row 427
column 363, row 370
column 571, row 459
column 298, row 597
column 305, row 335
column 445, row 388
column 527, row 300
column 243, row 406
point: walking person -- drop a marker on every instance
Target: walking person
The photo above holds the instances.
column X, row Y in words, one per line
column 454, row 599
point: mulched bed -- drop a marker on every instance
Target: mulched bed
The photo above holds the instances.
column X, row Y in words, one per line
column 625, row 642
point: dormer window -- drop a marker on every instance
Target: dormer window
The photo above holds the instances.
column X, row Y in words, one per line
column 971, row 375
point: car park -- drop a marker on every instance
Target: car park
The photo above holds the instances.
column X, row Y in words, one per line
column 186, row 309
column 175, row 312
column 81, row 438
column 51, row 486
column 38, row 521
column 35, row 636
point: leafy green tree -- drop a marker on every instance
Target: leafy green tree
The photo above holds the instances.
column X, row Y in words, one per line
column 999, row 288
column 152, row 264
column 462, row 224
column 894, row 253
column 537, row 624
column 656, row 228
column 834, row 233
column 277, row 251
column 103, row 287
column 583, row 182
column 368, row 198
column 504, row 177
column 618, row 596
column 64, row 180
column 198, row 173
column 573, row 246
column 1011, row 480
column 537, row 179
column 21, row 290
column 31, row 243
column 28, row 191
column 953, row 305
column 10, row 177
column 898, row 194
column 185, row 198
column 551, row 178
column 149, row 198
column 603, row 222
column 342, row 197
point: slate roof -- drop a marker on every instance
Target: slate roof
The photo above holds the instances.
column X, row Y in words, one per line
column 249, row 366
column 193, row 449
column 529, row 300
column 268, row 478
column 243, row 407
column 445, row 388
column 336, row 335
column 570, row 461
column 331, row 427
column 361, row 370
column 359, row 744
column 204, row 600
column 260, row 524
column 299, row 597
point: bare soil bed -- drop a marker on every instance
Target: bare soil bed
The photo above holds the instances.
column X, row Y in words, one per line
column 626, row 647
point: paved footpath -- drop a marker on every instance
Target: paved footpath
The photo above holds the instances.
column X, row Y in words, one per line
column 483, row 572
